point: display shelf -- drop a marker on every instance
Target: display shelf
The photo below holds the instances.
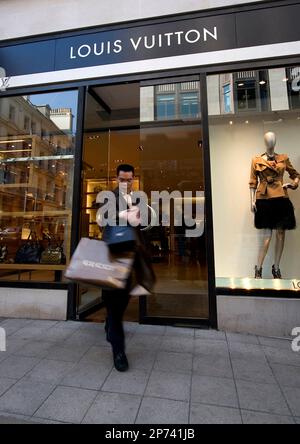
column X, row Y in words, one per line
column 33, row 214
column 22, row 268
column 32, row 267
column 13, row 185
column 258, row 284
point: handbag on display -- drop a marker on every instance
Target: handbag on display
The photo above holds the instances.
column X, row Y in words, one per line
column 30, row 252
column 3, row 252
column 52, row 255
column 10, row 233
column 120, row 238
column 25, row 233
column 93, row 264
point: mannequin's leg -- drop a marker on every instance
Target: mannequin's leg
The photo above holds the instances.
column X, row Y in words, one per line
column 267, row 236
column 280, row 240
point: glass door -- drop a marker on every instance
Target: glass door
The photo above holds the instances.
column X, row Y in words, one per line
column 156, row 128
column 171, row 165
column 95, row 178
column 111, row 137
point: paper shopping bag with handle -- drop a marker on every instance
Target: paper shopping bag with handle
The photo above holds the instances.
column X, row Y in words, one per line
column 93, row 264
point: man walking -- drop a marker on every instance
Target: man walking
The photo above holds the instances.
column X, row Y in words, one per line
column 116, row 301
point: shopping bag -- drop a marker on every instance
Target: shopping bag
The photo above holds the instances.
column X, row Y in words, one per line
column 92, row 263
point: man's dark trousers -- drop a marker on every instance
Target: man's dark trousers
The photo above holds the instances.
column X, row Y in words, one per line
column 116, row 302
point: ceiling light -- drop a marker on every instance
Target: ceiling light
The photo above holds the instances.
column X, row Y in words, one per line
column 262, row 82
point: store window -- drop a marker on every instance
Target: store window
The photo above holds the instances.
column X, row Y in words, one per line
column 36, row 178
column 189, row 105
column 166, row 107
column 253, row 154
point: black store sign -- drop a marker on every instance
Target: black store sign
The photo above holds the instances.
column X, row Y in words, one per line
column 190, row 36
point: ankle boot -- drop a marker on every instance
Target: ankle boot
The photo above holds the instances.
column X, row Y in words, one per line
column 258, row 272
column 276, row 272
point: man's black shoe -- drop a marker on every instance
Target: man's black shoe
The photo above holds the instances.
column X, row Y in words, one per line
column 120, row 362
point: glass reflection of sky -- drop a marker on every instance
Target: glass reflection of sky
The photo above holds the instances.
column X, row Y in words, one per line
column 64, row 99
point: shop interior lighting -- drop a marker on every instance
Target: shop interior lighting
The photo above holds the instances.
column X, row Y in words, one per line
column 14, row 151
column 13, row 141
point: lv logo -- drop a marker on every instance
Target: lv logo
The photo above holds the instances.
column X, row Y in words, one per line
column 4, row 83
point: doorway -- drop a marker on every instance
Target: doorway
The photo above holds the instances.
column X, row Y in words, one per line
column 155, row 127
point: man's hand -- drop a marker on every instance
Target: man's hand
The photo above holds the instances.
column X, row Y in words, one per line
column 132, row 216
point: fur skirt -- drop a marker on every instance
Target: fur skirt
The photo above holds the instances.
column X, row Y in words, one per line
column 276, row 214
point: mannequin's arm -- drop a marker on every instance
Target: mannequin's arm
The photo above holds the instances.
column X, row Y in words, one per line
column 253, row 186
column 294, row 175
column 253, row 199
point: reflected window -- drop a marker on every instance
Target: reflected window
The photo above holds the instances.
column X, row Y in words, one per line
column 227, row 98
column 165, row 106
column 189, row 104
column 26, row 123
column 293, row 82
column 172, row 101
column 12, row 113
column 246, row 95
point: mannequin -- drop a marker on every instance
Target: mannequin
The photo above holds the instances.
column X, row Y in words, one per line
column 269, row 201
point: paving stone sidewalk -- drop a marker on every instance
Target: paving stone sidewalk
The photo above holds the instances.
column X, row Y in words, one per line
column 62, row 372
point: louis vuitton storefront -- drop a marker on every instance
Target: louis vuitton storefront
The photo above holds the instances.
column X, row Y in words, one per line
column 194, row 102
